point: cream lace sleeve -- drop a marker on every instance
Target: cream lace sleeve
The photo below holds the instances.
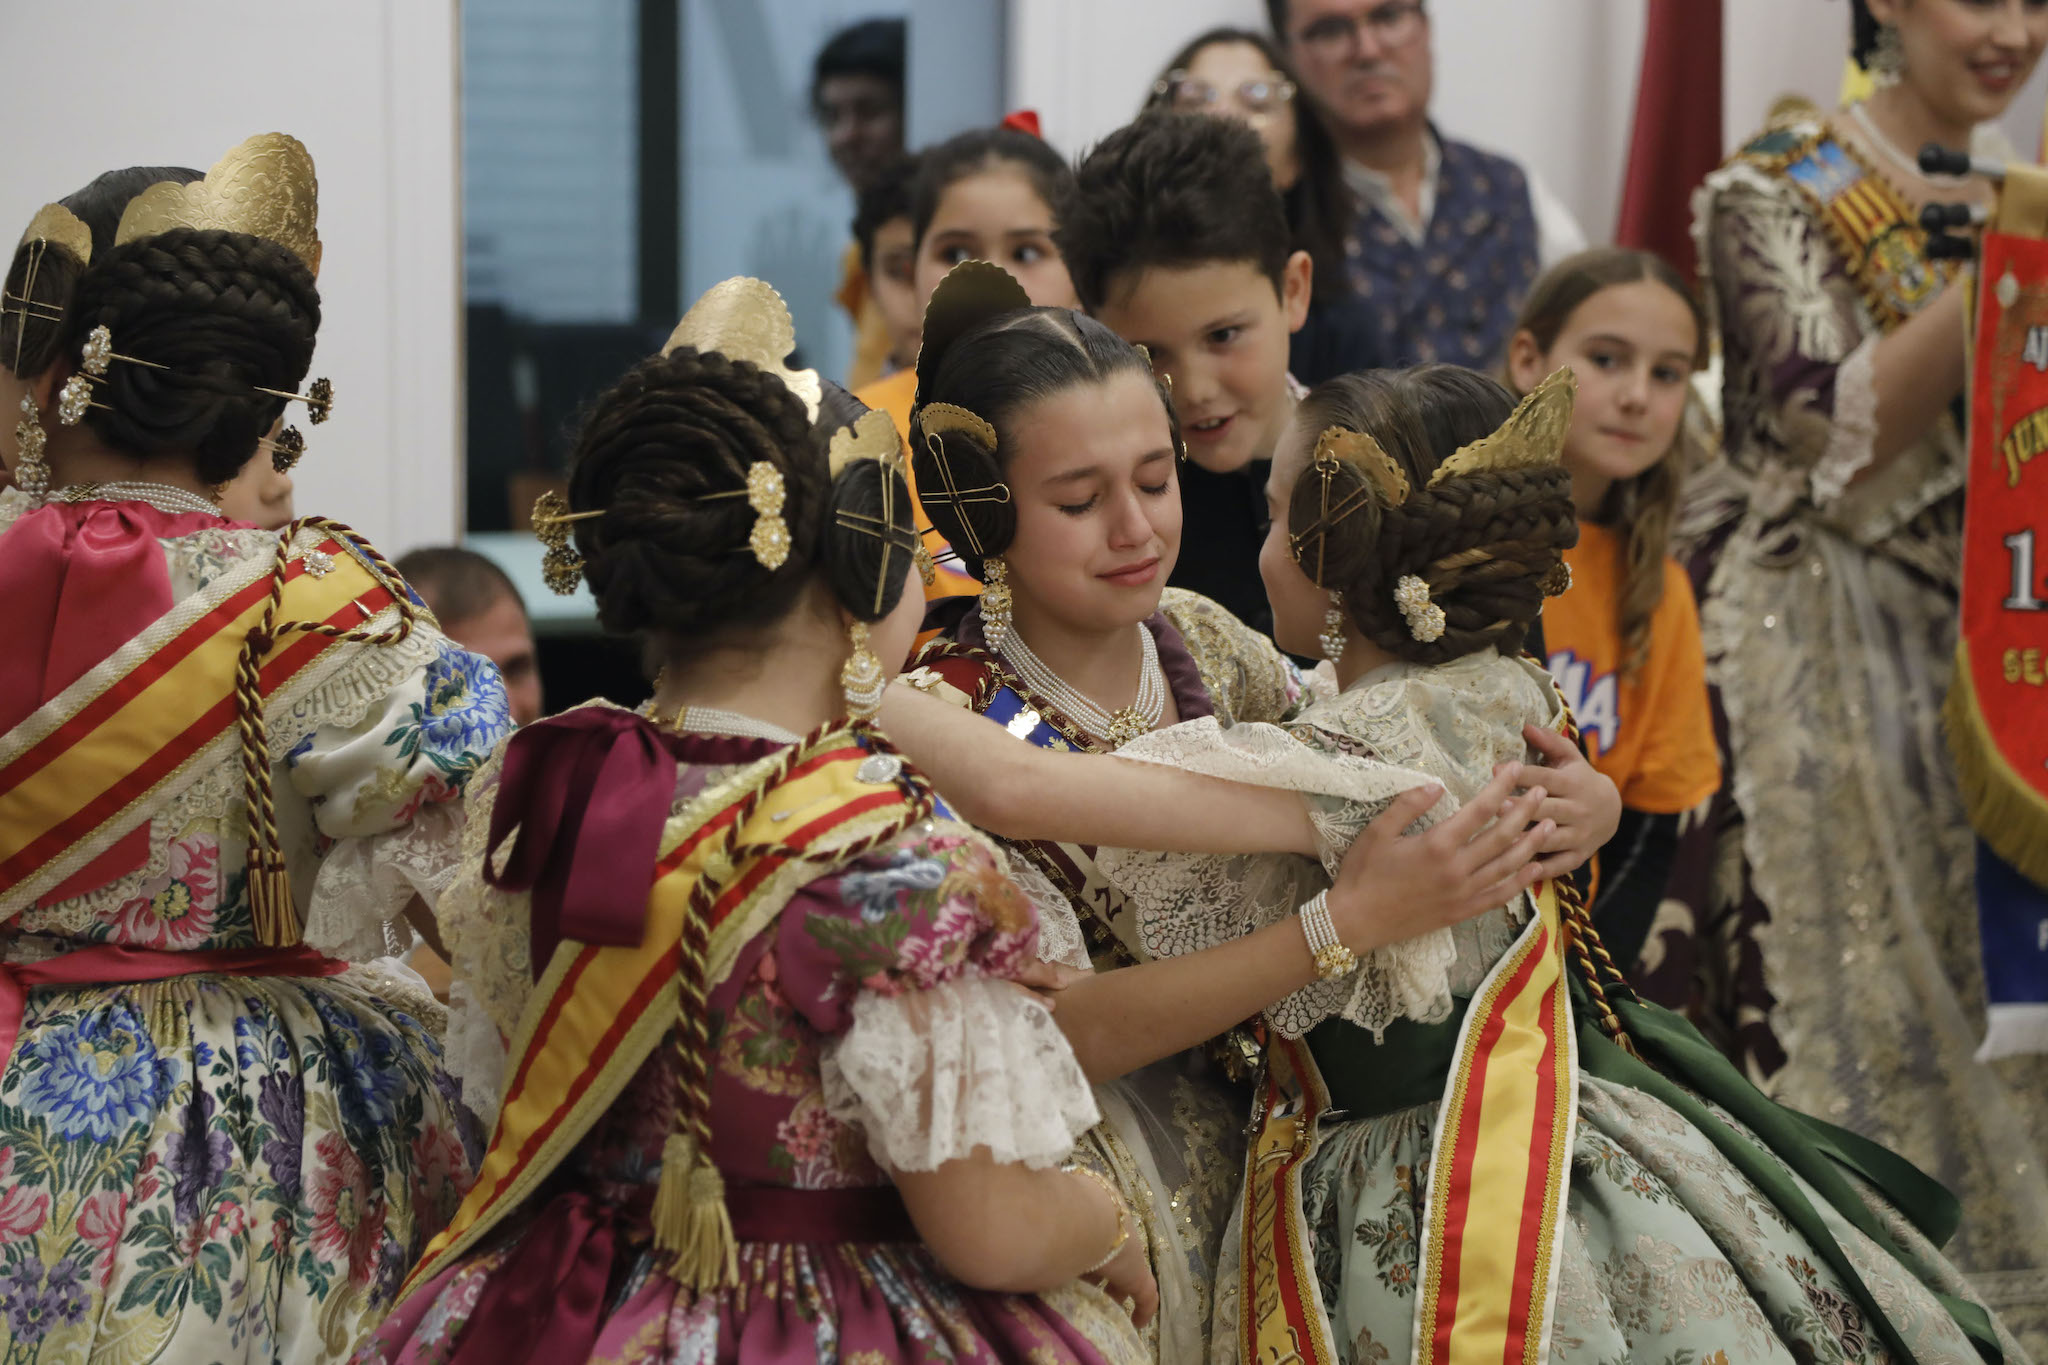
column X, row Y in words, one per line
column 1188, row 903
column 972, row 1062
column 1060, row 938
column 490, row 955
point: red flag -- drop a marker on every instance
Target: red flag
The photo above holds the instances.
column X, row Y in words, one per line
column 1677, row 137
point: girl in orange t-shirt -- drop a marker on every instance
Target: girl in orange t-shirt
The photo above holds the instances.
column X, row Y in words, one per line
column 1624, row 639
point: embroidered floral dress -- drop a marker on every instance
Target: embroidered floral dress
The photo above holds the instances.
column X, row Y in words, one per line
column 1841, row 909
column 874, row 991
column 1669, row 1252
column 231, row 1165
column 1172, row 1133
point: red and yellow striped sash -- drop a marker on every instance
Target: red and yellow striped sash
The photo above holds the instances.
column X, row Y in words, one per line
column 1494, row 1218
column 92, row 771
column 598, row 1013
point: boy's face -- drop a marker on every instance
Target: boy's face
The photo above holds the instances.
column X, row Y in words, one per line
column 895, row 288
column 1218, row 333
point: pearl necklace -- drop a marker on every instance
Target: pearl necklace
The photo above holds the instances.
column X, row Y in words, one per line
column 1860, row 112
column 163, row 497
column 1118, row 728
column 711, row 720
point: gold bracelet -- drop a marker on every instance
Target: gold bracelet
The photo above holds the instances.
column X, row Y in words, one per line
column 1123, row 1221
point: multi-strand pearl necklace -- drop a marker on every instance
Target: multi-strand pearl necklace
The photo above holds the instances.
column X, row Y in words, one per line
column 1896, row 154
column 163, row 497
column 711, row 720
column 1117, row 728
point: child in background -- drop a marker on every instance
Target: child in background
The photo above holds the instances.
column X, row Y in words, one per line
column 1176, row 239
column 1624, row 639
column 887, row 241
column 985, row 195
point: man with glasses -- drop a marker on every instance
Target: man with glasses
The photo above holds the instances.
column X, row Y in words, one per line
column 1448, row 237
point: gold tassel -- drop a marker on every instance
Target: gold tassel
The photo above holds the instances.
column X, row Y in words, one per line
column 270, row 902
column 2008, row 814
column 691, row 1222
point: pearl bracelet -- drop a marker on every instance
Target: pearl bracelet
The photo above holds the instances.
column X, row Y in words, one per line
column 1123, row 1218
column 1332, row 957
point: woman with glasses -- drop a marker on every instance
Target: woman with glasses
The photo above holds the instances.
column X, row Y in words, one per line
column 1446, row 238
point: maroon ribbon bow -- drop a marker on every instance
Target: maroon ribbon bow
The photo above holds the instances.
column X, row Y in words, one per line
column 589, row 792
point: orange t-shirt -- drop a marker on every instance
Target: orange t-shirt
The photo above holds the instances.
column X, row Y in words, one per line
column 894, row 396
column 1652, row 735
column 870, row 329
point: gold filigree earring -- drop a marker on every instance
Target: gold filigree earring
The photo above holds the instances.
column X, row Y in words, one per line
column 1332, row 638
column 995, row 601
column 861, row 677
column 31, row 470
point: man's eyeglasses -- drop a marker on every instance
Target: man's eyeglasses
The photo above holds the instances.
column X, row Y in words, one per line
column 1335, row 36
column 1185, row 93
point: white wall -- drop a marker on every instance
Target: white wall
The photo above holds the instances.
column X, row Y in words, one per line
column 370, row 87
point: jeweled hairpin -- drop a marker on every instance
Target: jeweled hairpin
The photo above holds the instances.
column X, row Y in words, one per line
column 935, row 419
column 318, row 398
column 561, row 568
column 286, row 449
column 1383, row 482
column 1425, row 618
column 94, row 357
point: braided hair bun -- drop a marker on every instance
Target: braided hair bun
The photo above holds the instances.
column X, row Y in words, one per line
column 1487, row 542
column 215, row 316
column 665, row 455
column 870, row 538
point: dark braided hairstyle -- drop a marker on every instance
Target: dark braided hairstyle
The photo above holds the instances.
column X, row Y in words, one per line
column 223, row 314
column 670, row 555
column 1485, row 542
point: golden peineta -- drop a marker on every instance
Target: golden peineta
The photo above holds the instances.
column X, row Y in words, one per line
column 1382, row 475
column 745, row 319
column 971, row 292
column 872, row 437
column 1532, row 436
column 58, row 225
column 263, row 187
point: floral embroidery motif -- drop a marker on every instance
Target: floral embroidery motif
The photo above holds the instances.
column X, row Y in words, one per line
column 462, row 715
column 179, row 910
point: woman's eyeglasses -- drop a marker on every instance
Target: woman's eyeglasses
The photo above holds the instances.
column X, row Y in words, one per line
column 1188, row 94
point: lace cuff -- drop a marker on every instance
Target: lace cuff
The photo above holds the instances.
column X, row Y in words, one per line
column 1186, row 903
column 1060, row 938
column 367, row 881
column 1852, row 436
column 931, row 1075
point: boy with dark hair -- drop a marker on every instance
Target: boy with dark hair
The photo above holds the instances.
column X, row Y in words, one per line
column 884, row 235
column 1176, row 238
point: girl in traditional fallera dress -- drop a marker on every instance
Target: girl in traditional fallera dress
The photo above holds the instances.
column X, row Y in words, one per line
column 1048, row 457
column 215, row 1143
column 1659, row 1207
column 1829, row 546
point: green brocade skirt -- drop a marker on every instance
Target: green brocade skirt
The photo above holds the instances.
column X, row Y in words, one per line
column 1706, row 1224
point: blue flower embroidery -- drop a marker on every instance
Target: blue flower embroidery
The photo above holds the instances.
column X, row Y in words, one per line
column 878, row 893
column 463, row 716
column 96, row 1080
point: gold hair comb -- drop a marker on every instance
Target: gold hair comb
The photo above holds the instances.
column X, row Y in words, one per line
column 936, row 419
column 56, row 224
column 745, row 319
column 1382, row 481
column 1532, row 436
column 264, row 187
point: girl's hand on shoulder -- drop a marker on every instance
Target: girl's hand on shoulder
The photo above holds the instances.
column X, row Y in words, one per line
column 1395, row 886
column 1584, row 804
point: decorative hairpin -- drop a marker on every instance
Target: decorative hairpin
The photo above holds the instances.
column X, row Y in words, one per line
column 53, row 224
column 936, row 419
column 1382, row 482
column 873, row 437
column 93, row 359
column 264, row 187
column 561, row 568
column 765, row 493
column 318, row 398
column 286, row 450
column 1558, row 581
column 1425, row 618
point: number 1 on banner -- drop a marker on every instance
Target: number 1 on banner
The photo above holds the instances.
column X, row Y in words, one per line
column 2021, row 544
